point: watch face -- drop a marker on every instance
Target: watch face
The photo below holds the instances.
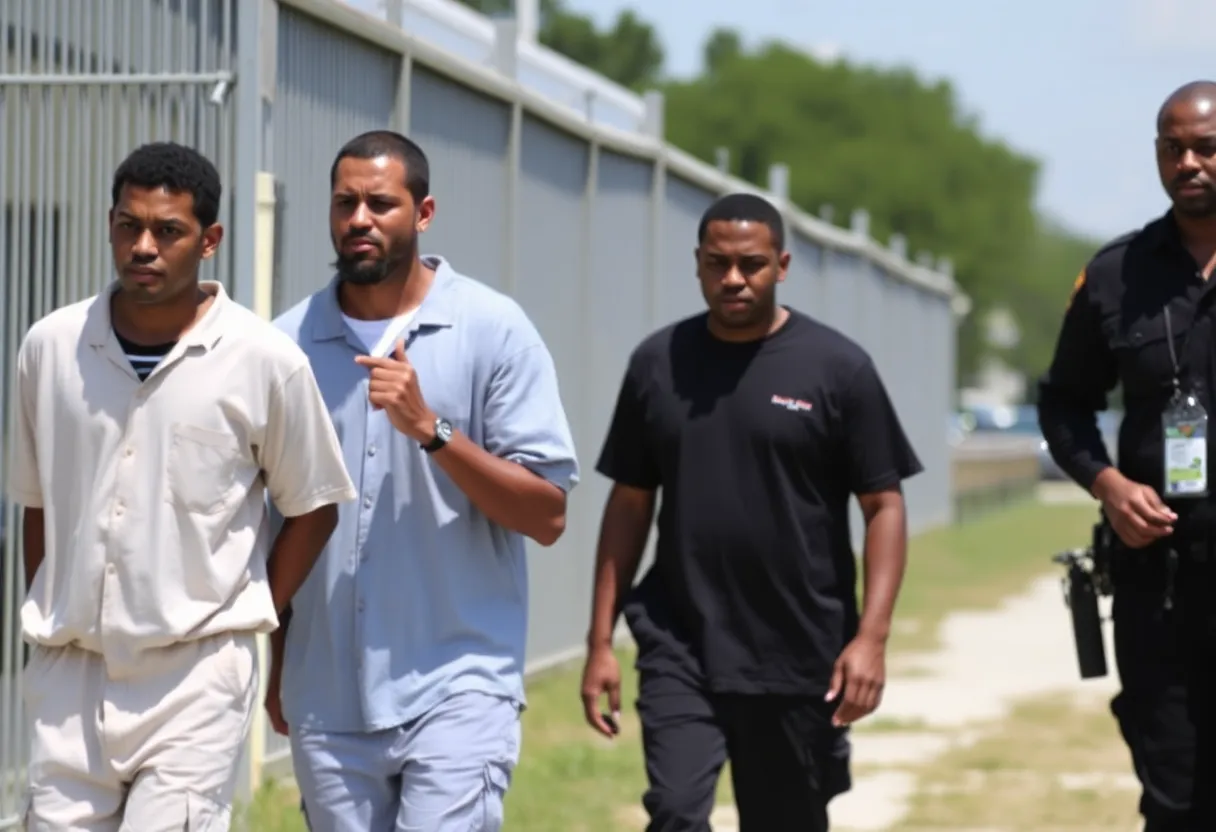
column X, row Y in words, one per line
column 443, row 429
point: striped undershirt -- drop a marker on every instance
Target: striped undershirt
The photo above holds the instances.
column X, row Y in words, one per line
column 143, row 358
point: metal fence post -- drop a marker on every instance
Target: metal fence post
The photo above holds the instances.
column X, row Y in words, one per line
column 655, row 126
column 722, row 160
column 506, row 58
column 248, row 160
column 248, row 150
column 395, row 14
column 898, row 244
column 860, row 223
column 779, row 183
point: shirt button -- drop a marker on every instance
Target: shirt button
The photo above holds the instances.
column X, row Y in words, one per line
column 359, row 606
column 367, row 502
column 371, row 451
column 111, row 568
column 129, row 452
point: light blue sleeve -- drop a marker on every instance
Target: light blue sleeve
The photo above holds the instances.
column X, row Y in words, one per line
column 525, row 421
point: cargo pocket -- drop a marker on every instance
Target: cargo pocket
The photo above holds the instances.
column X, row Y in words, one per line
column 497, row 776
column 837, row 776
column 205, row 815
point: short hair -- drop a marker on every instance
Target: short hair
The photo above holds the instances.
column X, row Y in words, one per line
column 744, row 207
column 177, row 169
column 376, row 143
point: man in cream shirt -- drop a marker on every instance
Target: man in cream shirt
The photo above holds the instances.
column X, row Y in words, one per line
column 153, row 419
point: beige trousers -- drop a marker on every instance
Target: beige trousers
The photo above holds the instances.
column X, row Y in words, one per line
column 150, row 753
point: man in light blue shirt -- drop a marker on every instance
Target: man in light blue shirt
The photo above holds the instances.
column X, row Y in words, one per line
column 399, row 673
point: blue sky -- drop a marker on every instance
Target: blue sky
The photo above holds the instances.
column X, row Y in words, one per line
column 1075, row 83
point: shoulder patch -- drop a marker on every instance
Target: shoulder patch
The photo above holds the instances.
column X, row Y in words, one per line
column 1076, row 287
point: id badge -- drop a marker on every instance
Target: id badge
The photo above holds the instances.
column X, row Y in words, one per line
column 1185, row 431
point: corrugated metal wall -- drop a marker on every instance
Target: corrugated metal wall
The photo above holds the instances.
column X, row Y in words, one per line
column 592, row 232
column 330, row 86
column 465, row 135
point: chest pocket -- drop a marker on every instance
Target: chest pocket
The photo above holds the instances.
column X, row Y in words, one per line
column 446, row 384
column 205, row 468
column 1143, row 349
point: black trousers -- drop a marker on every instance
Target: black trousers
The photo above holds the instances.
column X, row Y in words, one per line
column 1151, row 707
column 1199, row 624
column 787, row 760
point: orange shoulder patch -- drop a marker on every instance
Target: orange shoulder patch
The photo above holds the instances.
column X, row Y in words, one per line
column 1076, row 287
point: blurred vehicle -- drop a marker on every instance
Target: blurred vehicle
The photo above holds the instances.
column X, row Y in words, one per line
column 957, row 428
column 999, row 427
column 1016, row 427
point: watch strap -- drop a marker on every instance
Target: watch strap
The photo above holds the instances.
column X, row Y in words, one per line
column 440, row 439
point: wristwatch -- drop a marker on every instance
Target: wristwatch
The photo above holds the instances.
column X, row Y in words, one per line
column 443, row 435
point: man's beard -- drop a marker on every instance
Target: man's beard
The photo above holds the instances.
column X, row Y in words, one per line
column 359, row 271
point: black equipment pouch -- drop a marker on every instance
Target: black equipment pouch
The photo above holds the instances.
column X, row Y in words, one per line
column 1088, row 577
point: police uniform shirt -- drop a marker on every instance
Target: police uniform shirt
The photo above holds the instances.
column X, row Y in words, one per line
column 756, row 448
column 1114, row 332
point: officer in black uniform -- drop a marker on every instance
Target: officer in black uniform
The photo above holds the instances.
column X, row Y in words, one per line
column 1142, row 315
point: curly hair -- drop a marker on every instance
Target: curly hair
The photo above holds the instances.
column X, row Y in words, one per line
column 177, row 169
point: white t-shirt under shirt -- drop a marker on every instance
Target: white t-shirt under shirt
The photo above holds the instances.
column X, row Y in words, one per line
column 380, row 337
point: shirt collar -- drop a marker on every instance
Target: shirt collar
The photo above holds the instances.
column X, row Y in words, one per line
column 1164, row 232
column 206, row 333
column 438, row 308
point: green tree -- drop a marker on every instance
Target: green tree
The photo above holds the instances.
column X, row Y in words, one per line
column 857, row 137
column 629, row 52
column 723, row 46
column 860, row 137
column 1038, row 299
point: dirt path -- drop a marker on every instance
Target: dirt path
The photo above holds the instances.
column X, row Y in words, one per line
column 988, row 661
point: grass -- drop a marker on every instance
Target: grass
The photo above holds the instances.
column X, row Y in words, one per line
column 275, row 808
column 571, row 780
column 1054, row 764
column 974, row 566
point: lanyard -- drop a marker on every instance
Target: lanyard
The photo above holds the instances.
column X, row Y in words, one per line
column 1169, row 340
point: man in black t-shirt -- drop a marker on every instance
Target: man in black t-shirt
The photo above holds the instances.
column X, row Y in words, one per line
column 758, row 423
